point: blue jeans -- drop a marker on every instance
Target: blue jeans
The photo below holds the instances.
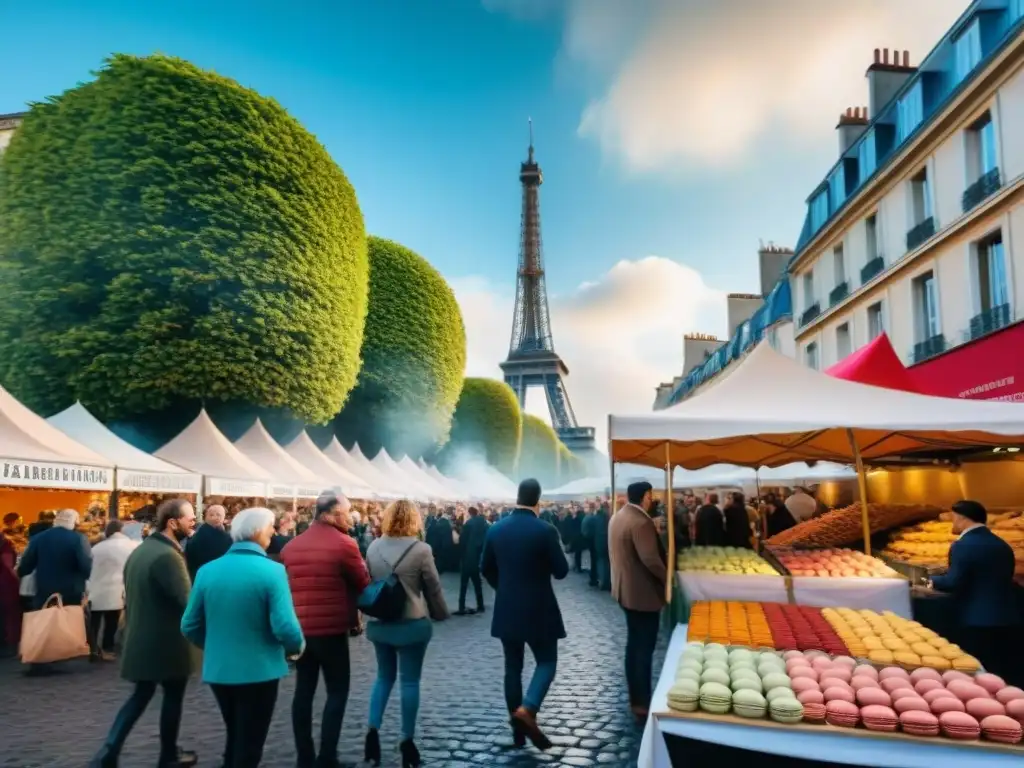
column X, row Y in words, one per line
column 546, row 656
column 394, row 661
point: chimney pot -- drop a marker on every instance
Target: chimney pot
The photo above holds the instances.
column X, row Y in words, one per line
column 878, row 56
column 885, row 55
column 906, row 58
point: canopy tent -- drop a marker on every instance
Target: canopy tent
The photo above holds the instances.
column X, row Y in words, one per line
column 290, row 478
column 387, row 466
column 454, row 486
column 437, row 490
column 876, row 363
column 304, row 451
column 336, row 452
column 36, row 454
column 202, row 448
column 135, row 470
column 483, row 481
column 372, row 473
column 772, row 411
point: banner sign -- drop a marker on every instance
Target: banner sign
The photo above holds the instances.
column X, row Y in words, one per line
column 46, row 474
column 216, row 486
column 991, row 368
column 276, row 491
column 157, row 482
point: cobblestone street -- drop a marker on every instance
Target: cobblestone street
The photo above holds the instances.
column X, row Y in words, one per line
column 60, row 720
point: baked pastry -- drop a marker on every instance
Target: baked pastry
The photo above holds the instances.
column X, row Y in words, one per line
column 748, row 703
column 879, row 718
column 991, row 683
column 811, row 697
column 947, row 703
column 715, row 698
column 868, row 697
column 1008, row 694
column 911, row 704
column 1001, row 728
column 918, row 723
column 814, row 713
column 842, row 714
column 979, row 709
column 786, row 710
column 684, row 696
column 959, row 725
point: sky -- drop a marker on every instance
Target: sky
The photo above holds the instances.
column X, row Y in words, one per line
column 674, row 136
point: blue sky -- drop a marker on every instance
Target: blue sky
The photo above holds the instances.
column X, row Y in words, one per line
column 673, row 134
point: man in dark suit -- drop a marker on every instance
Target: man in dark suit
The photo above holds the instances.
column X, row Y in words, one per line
column 61, row 559
column 521, row 555
column 474, row 531
column 980, row 579
column 209, row 542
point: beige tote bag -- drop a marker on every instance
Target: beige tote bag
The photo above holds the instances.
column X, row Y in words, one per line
column 56, row 632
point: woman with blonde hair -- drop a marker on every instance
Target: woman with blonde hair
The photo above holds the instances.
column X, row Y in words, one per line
column 400, row 645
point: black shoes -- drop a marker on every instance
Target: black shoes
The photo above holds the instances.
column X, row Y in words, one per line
column 410, row 755
column 464, row 612
column 184, row 759
column 371, row 752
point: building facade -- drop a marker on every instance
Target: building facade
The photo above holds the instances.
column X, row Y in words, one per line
column 918, row 230
column 8, row 125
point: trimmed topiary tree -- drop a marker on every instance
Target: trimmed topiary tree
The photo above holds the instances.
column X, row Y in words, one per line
column 169, row 237
column 414, row 355
column 570, row 466
column 538, row 456
column 487, row 421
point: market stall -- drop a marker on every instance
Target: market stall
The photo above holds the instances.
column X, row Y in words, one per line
column 337, row 453
column 140, row 479
column 401, row 479
column 418, row 475
column 291, row 480
column 227, row 472
column 454, row 486
column 305, row 452
column 379, row 479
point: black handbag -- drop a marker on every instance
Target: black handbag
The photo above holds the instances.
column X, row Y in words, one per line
column 385, row 599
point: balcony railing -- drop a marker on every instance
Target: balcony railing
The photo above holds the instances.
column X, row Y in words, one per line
column 987, row 185
column 988, row 321
column 936, row 345
column 872, row 268
column 838, row 293
column 810, row 313
column 920, row 233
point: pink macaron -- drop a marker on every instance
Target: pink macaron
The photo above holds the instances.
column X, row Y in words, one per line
column 927, row 684
column 991, row 683
column 891, row 672
column 866, row 670
column 947, row 704
column 925, row 673
column 836, row 693
column 916, row 704
column 919, row 723
column 959, row 725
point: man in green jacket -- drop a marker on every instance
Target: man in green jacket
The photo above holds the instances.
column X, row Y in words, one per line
column 157, row 586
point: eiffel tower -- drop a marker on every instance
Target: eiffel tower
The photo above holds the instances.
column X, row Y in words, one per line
column 532, row 360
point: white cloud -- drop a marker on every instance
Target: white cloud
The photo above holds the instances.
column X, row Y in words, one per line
column 620, row 335
column 702, row 81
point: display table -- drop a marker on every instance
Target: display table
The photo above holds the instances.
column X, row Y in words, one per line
column 759, row 588
column 854, row 592
column 852, row 747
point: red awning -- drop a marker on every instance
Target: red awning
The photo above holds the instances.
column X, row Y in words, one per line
column 991, row 368
column 876, row 363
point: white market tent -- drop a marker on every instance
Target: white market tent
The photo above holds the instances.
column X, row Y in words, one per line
column 290, row 478
column 387, row 466
column 425, row 480
column 450, row 483
column 36, row 454
column 771, row 411
column 336, row 452
column 379, row 479
column 135, row 470
column 304, row 451
column 203, row 448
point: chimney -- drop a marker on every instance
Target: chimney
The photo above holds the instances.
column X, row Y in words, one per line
column 698, row 347
column 852, row 123
column 772, row 261
column 740, row 307
column 886, row 76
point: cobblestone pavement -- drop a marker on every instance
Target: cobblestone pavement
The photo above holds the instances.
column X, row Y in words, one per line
column 59, row 721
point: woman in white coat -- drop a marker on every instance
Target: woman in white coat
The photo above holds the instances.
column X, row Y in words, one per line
column 106, row 587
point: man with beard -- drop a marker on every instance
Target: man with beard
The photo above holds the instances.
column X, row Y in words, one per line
column 157, row 587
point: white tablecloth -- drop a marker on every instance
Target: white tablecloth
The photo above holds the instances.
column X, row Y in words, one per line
column 719, row 586
column 847, row 750
column 854, row 592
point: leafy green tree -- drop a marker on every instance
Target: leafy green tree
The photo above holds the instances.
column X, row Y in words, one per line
column 570, row 466
column 414, row 354
column 538, row 456
column 168, row 237
column 487, row 421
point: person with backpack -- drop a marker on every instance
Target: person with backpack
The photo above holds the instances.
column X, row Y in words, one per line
column 403, row 597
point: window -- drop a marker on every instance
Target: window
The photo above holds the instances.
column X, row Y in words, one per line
column 981, row 148
column 837, row 187
column 844, row 345
column 926, row 307
column 990, row 274
column 819, row 210
column 811, row 355
column 808, row 288
column 968, row 50
column 839, row 262
column 910, row 110
column 867, row 158
column 921, row 198
column 871, row 235
column 1016, row 10
column 876, row 321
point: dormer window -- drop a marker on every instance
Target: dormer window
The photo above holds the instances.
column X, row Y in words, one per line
column 867, row 157
column 910, row 110
column 837, row 187
column 819, row 210
column 968, row 50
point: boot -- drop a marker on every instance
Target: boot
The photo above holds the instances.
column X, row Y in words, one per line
column 525, row 721
column 105, row 758
column 410, row 755
column 371, row 752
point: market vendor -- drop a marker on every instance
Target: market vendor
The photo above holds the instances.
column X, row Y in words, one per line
column 980, row 579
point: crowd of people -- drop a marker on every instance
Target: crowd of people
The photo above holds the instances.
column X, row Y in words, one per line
column 244, row 599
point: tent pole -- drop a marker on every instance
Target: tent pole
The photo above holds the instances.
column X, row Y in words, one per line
column 613, row 502
column 862, row 484
column 671, row 548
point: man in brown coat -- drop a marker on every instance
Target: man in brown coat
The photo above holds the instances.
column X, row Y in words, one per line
column 639, row 570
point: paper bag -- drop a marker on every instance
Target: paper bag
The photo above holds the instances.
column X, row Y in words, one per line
column 54, row 633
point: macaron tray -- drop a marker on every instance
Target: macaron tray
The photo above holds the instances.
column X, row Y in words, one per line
column 812, row 691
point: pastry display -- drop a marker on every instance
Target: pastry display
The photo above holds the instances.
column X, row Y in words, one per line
column 801, row 627
column 927, row 544
column 842, row 527
column 834, row 563
column 732, row 560
column 730, row 623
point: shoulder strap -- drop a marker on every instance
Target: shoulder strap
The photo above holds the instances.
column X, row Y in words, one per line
column 398, row 562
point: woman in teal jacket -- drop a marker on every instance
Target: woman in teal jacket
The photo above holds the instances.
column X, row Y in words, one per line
column 240, row 613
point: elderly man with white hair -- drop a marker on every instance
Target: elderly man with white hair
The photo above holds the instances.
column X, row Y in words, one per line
column 241, row 613
column 61, row 560
column 209, row 542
